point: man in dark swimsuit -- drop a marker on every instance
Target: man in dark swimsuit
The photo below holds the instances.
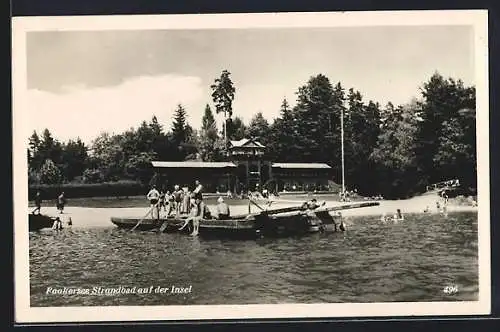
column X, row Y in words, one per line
column 198, row 190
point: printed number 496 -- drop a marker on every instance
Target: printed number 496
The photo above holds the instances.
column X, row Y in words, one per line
column 450, row 289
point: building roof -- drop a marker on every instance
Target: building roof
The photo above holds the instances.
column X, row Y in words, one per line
column 246, row 142
column 191, row 164
column 301, row 165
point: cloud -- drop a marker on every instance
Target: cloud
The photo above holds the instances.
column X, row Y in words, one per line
column 86, row 112
column 266, row 98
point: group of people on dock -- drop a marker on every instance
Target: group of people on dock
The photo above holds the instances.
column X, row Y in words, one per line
column 176, row 202
column 182, row 201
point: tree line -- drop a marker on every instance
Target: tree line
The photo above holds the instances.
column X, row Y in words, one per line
column 392, row 150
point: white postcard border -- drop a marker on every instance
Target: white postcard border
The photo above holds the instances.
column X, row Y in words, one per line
column 21, row 25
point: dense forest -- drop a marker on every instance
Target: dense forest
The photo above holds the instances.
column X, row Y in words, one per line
column 392, row 150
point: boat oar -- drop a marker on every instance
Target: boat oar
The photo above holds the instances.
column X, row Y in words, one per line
column 257, row 205
column 347, row 206
column 163, row 226
column 147, row 214
column 185, row 223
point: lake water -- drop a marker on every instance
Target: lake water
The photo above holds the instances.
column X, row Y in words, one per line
column 413, row 260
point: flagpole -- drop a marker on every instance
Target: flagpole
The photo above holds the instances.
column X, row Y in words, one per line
column 342, row 147
column 225, row 129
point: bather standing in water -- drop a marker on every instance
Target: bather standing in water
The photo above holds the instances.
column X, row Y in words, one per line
column 398, row 216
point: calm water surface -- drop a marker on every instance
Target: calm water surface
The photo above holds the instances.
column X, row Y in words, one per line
column 413, row 260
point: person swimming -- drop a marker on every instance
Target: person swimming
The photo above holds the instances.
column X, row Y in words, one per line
column 385, row 218
column 398, row 216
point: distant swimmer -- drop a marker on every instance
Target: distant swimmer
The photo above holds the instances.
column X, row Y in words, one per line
column 385, row 218
column 444, row 210
column 427, row 210
column 398, row 216
column 438, row 206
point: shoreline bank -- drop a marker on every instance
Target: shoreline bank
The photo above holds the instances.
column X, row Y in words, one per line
column 101, row 216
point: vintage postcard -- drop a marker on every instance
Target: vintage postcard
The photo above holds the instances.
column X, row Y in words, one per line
column 250, row 166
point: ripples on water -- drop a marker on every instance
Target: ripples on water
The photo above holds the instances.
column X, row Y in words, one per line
column 372, row 262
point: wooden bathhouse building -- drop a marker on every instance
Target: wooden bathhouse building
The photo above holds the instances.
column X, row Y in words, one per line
column 246, row 169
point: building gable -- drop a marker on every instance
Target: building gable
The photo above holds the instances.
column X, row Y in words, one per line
column 246, row 143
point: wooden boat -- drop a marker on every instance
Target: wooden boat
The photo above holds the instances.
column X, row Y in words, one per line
column 278, row 222
column 39, row 221
column 146, row 224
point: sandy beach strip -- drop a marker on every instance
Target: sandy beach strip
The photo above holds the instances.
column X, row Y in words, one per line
column 101, row 217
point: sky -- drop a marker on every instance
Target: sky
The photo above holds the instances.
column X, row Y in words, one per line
column 82, row 83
